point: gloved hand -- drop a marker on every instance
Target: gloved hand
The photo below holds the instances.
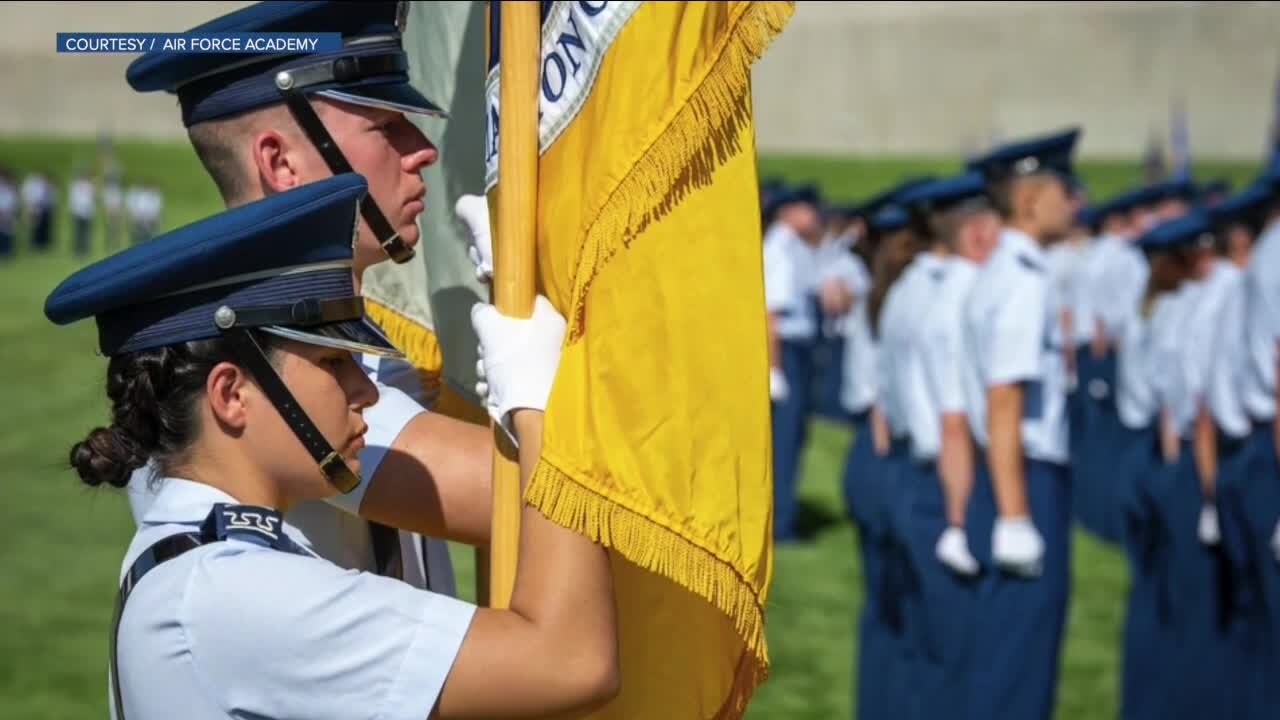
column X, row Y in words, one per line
column 1016, row 546
column 778, row 387
column 473, row 210
column 1207, row 528
column 518, row 358
column 952, row 551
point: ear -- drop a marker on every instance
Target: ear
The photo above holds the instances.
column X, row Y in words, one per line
column 226, row 392
column 275, row 161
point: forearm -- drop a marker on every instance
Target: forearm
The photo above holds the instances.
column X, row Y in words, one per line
column 1004, row 454
column 775, row 344
column 437, row 480
column 555, row 651
column 879, row 431
column 955, row 467
column 1168, row 437
column 1205, row 447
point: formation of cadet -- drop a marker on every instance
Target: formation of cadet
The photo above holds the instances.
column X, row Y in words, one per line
column 35, row 203
column 1014, row 361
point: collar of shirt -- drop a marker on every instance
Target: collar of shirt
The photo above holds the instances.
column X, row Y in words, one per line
column 1017, row 241
column 187, row 502
column 184, row 501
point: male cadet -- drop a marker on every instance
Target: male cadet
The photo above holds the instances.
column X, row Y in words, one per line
column 790, row 268
column 962, row 231
column 1019, row 513
column 264, row 124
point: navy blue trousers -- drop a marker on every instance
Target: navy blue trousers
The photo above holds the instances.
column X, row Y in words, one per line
column 789, row 417
column 884, row 660
column 1095, row 431
column 1019, row 622
column 1146, row 481
column 1197, row 647
column 939, row 604
column 1247, row 490
column 829, row 368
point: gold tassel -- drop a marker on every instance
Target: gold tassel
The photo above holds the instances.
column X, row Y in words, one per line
column 685, row 155
column 566, row 502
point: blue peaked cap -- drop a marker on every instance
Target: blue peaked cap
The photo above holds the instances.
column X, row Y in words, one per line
column 282, row 264
column 371, row 69
column 874, row 204
column 1191, row 229
column 1245, row 206
column 1050, row 153
column 939, row 195
column 783, row 195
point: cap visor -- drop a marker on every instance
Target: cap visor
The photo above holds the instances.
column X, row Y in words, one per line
column 402, row 97
column 359, row 336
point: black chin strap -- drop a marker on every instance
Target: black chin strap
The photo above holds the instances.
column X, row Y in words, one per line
column 249, row 353
column 291, row 84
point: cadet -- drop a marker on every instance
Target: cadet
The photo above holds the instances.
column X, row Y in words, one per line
column 38, row 205
column 790, row 269
column 81, row 203
column 880, row 665
column 284, row 121
column 963, row 229
column 1146, row 354
column 1261, row 397
column 1236, row 221
column 842, row 280
column 1111, row 281
column 231, row 368
column 1196, row 564
column 1019, row 513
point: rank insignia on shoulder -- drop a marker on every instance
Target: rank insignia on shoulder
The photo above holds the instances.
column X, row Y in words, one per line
column 1030, row 264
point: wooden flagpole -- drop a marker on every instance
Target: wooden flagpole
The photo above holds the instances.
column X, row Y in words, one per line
column 514, row 260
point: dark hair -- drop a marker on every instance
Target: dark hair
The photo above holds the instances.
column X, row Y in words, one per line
column 894, row 254
column 154, row 396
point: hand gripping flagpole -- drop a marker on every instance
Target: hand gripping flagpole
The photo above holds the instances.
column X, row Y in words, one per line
column 513, row 247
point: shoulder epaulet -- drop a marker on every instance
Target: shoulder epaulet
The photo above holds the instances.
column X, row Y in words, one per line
column 1030, row 263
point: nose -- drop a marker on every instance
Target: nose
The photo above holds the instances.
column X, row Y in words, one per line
column 418, row 151
column 361, row 392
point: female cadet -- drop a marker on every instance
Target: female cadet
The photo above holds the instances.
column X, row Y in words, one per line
column 935, row 483
column 1196, row 565
column 868, row 478
column 1145, row 358
column 231, row 366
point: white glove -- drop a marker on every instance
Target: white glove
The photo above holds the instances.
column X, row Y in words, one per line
column 1207, row 529
column 1275, row 542
column 778, row 387
column 1017, row 547
column 518, row 358
column 474, row 211
column 952, row 551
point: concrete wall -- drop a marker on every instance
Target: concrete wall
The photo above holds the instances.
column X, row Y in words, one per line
column 868, row 77
column 945, row 77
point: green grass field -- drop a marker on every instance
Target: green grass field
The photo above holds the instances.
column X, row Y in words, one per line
column 61, row 543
